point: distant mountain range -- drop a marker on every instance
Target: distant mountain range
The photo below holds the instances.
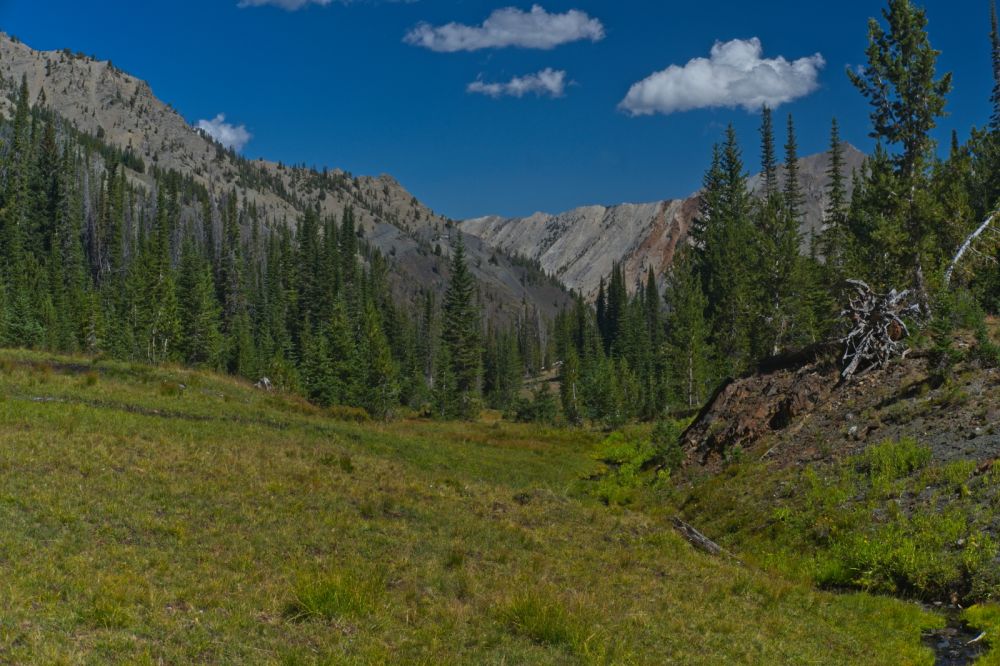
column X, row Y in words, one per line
column 517, row 261
column 122, row 110
column 580, row 246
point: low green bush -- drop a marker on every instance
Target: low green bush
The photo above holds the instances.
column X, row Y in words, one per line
column 348, row 414
column 891, row 461
column 539, row 407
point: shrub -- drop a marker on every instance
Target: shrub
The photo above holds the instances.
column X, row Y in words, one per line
column 889, row 461
column 541, row 407
column 986, row 351
column 666, row 441
column 986, row 618
column 624, row 458
column 348, row 414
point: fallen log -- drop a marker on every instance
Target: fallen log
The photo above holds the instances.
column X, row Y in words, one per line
column 700, row 541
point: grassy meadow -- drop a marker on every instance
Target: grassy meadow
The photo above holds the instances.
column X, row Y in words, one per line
column 168, row 516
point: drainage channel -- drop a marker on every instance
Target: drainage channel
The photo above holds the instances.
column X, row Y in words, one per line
column 957, row 644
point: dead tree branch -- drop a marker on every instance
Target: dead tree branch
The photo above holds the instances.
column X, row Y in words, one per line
column 878, row 331
column 966, row 246
column 700, row 541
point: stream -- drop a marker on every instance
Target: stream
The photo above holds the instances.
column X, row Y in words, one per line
column 952, row 644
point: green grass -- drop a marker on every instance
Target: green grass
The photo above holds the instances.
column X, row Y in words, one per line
column 986, row 618
column 338, row 596
column 887, row 521
column 167, row 516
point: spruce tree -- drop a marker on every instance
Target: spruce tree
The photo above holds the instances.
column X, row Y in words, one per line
column 769, row 161
column 994, row 124
column 460, row 332
column 380, row 391
column 901, row 84
column 726, row 257
column 834, row 236
column 687, row 333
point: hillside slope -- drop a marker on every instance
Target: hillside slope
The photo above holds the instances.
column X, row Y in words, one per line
column 167, row 516
column 580, row 246
column 101, row 100
column 889, row 482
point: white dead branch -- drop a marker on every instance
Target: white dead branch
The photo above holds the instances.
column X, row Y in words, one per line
column 966, row 246
column 878, row 330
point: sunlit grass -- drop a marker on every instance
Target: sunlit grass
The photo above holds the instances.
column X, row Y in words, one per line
column 152, row 515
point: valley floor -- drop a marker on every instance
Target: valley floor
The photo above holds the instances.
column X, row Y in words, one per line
column 168, row 516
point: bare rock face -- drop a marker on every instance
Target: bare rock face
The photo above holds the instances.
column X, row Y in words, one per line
column 580, row 246
column 101, row 100
column 798, row 410
column 747, row 410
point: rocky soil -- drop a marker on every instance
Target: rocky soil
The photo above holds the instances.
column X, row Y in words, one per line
column 800, row 412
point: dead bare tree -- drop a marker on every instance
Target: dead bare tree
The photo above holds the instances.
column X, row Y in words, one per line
column 878, row 331
column 969, row 245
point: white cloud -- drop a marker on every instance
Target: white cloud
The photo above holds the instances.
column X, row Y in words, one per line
column 734, row 75
column 548, row 82
column 230, row 136
column 535, row 29
column 288, row 5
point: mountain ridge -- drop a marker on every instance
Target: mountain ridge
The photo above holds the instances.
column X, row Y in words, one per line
column 581, row 245
column 101, row 100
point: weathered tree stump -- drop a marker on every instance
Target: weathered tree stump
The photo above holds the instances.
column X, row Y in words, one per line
column 878, row 331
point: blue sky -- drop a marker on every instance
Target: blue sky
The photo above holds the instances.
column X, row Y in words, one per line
column 336, row 84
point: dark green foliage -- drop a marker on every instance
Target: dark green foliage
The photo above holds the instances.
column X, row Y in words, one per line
column 173, row 272
column 900, row 83
column 539, row 407
column 725, row 257
column 833, row 242
column 666, row 441
column 460, row 335
column 687, row 345
column 94, row 262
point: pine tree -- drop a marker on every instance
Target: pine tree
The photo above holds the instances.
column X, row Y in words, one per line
column 794, row 199
column 725, row 257
column 900, row 83
column 833, row 240
column 201, row 343
column 344, row 362
column 380, row 392
column 569, row 387
column 614, row 316
column 769, row 162
column 687, row 333
column 652, row 308
column 318, row 378
column 995, row 61
column 602, row 310
column 790, row 288
column 460, row 332
column 22, row 321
